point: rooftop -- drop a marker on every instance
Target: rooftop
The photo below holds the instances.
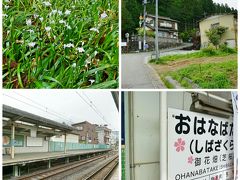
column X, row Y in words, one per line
column 162, row 18
column 14, row 115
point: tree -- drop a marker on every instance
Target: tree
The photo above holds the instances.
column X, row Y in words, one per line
column 186, row 12
column 215, row 34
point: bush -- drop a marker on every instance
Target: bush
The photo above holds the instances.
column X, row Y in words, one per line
column 226, row 49
column 210, row 50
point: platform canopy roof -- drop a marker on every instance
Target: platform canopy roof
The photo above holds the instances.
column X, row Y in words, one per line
column 14, row 114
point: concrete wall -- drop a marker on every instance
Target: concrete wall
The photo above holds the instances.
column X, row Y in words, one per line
column 223, row 20
column 101, row 137
column 26, row 149
column 70, row 138
column 142, row 134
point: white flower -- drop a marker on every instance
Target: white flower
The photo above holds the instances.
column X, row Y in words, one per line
column 54, row 11
column 62, row 22
column 59, row 12
column 30, row 30
column 88, row 62
column 47, row 3
column 104, row 15
column 7, row 1
column 31, row 44
column 67, row 12
column 4, row 15
column 68, row 45
column 35, row 16
column 92, row 81
column 94, row 29
column 95, row 53
column 6, row 7
column 74, row 65
column 29, row 22
column 52, row 22
column 41, row 19
column 68, row 27
column 80, row 49
column 48, row 28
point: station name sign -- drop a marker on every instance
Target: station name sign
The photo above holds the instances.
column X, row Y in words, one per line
column 200, row 146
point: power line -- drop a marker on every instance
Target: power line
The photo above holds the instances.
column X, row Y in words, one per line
column 47, row 109
column 91, row 106
column 54, row 114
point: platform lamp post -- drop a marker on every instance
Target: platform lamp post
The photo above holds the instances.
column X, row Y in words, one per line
column 156, row 31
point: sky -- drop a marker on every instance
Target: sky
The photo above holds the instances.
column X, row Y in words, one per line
column 66, row 105
column 231, row 3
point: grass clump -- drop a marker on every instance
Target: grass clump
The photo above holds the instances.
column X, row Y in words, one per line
column 60, row 44
column 205, row 52
column 212, row 75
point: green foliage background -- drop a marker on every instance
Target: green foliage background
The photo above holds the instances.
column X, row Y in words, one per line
column 187, row 12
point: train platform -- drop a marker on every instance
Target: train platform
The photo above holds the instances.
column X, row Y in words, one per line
column 23, row 158
column 115, row 176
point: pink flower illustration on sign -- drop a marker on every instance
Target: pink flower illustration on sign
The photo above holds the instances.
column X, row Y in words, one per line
column 190, row 159
column 179, row 144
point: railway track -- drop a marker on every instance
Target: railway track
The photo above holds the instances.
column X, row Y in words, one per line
column 105, row 171
column 58, row 170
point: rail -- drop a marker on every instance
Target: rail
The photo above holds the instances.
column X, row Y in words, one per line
column 105, row 171
column 58, row 170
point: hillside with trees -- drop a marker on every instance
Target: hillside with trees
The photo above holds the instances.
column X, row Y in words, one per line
column 187, row 12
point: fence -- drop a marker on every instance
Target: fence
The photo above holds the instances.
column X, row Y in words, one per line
column 59, row 146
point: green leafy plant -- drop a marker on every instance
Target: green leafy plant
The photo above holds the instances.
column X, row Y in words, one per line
column 215, row 34
column 60, row 44
column 211, row 75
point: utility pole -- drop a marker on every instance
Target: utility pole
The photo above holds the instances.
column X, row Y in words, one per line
column 156, row 31
column 144, row 24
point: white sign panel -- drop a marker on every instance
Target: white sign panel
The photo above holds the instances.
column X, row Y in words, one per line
column 123, row 44
column 200, row 146
column 34, row 141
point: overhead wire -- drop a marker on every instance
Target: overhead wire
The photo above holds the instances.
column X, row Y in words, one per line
column 47, row 108
column 37, row 107
column 92, row 103
column 91, row 106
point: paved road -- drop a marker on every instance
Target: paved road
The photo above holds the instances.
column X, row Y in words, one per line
column 137, row 74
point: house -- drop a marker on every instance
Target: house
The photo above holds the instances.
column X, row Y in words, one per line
column 225, row 20
column 87, row 132
column 104, row 134
column 114, row 138
column 167, row 27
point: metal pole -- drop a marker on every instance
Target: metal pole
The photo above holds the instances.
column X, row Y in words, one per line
column 13, row 141
column 163, row 136
column 65, row 143
column 156, row 30
column 144, row 25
